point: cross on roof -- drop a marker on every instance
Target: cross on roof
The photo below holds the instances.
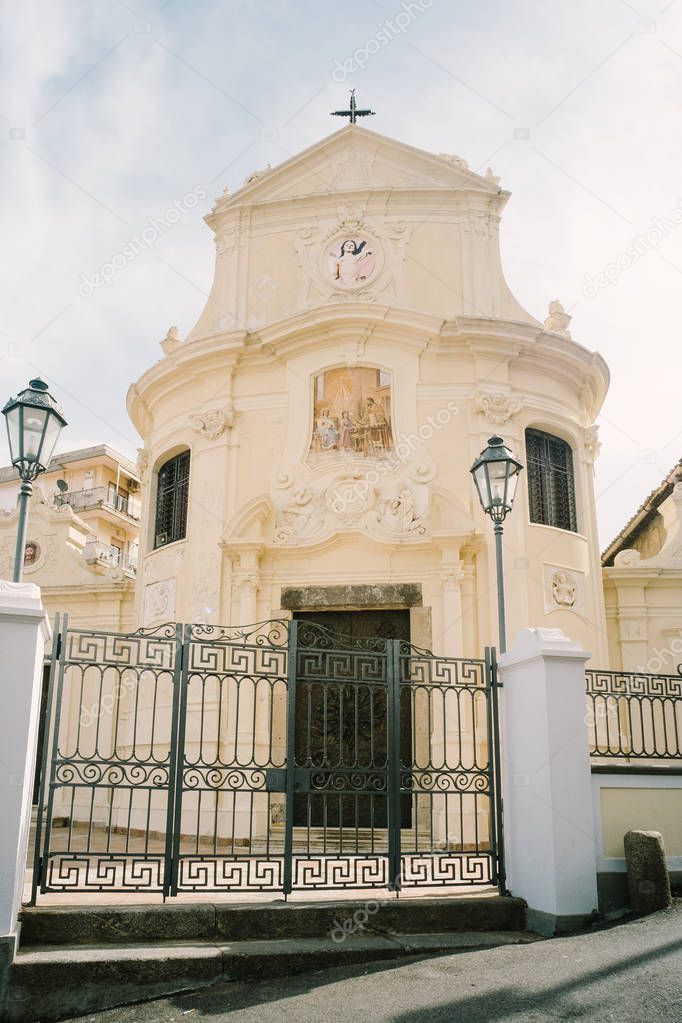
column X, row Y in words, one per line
column 353, row 113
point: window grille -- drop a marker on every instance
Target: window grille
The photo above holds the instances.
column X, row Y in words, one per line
column 172, row 493
column 551, row 483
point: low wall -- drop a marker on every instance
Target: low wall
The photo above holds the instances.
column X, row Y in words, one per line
column 634, row 797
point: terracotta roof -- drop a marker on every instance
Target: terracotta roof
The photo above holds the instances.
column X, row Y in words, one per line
column 643, row 514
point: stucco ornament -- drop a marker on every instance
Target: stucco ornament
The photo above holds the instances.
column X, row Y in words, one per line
column 143, row 460
column 172, row 341
column 627, row 558
column 212, row 423
column 457, row 161
column 159, row 601
column 498, row 408
column 389, row 505
column 558, row 320
column 349, row 497
column 564, row 589
column 256, row 175
column 400, row 513
column 356, row 258
column 591, row 443
column 302, row 516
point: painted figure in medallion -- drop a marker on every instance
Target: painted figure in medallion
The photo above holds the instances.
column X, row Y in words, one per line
column 351, row 261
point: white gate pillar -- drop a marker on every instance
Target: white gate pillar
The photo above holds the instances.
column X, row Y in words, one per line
column 24, row 631
column 548, row 822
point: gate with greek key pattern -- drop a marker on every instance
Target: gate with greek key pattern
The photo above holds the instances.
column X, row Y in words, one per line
column 273, row 758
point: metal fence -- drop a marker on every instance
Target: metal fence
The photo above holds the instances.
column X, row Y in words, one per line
column 104, row 497
column 276, row 757
column 634, row 715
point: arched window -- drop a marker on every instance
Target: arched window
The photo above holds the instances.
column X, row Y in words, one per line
column 551, row 485
column 172, row 490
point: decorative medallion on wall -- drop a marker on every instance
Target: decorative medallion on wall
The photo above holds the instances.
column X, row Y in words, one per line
column 352, row 261
column 159, row 602
column 564, row 589
column 32, row 554
column 351, row 414
column 355, row 258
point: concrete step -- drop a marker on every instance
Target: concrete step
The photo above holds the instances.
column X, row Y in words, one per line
column 57, row 982
column 93, row 925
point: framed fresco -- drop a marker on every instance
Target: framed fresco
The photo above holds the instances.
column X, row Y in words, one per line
column 351, row 262
column 351, row 414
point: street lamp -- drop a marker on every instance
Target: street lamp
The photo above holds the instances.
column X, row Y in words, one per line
column 496, row 473
column 34, row 422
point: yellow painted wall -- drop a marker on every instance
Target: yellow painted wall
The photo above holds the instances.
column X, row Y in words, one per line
column 642, row 809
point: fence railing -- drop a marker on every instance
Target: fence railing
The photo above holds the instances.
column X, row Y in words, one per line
column 634, row 715
column 82, row 500
column 95, row 550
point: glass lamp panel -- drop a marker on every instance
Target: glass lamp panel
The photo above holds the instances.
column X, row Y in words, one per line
column 33, row 432
column 52, row 431
column 483, row 485
column 498, row 481
column 13, row 419
column 511, row 484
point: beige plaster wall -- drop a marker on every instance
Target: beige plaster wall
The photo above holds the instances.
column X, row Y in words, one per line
column 647, row 809
column 438, row 316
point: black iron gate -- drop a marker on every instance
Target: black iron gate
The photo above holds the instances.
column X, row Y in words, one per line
column 276, row 757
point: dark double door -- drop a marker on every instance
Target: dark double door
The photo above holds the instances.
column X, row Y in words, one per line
column 344, row 707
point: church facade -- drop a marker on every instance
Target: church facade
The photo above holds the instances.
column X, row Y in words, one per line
column 307, row 446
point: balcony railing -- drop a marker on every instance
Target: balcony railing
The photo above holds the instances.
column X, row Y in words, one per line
column 100, row 497
column 104, row 553
column 634, row 715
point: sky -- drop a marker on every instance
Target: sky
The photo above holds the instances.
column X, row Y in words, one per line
column 112, row 112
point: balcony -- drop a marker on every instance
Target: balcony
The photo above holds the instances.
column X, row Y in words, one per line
column 101, row 497
column 96, row 552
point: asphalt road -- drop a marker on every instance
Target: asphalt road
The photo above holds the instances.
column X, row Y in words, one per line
column 628, row 973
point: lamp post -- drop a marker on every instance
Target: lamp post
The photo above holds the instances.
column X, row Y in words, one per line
column 34, row 422
column 496, row 473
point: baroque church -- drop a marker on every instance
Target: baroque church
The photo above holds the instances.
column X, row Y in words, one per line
column 307, row 446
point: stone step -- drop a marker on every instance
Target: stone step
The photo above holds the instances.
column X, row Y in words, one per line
column 92, row 925
column 58, row 982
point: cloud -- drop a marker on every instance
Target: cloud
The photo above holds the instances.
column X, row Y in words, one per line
column 127, row 107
